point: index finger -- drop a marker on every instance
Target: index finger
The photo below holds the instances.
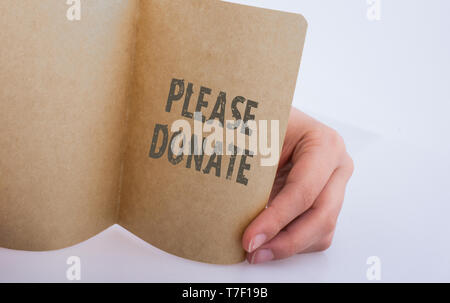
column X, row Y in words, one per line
column 307, row 178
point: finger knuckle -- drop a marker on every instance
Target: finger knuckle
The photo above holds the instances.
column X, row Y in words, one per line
column 328, row 137
column 328, row 223
column 291, row 248
column 334, row 139
column 303, row 195
column 277, row 218
column 325, row 244
column 350, row 164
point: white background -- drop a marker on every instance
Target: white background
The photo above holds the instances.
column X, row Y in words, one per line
column 385, row 85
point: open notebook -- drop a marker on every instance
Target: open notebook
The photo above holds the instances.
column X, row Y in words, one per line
column 82, row 101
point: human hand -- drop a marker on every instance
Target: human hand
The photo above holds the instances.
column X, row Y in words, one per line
column 307, row 194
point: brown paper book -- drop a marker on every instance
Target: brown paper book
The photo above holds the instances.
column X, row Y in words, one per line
column 83, row 110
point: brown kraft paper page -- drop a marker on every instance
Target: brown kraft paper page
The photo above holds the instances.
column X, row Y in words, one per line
column 238, row 50
column 62, row 114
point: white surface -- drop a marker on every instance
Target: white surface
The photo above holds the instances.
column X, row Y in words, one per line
column 385, row 86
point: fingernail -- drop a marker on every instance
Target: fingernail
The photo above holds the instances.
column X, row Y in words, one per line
column 256, row 242
column 261, row 256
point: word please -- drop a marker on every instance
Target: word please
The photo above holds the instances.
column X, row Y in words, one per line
column 243, row 113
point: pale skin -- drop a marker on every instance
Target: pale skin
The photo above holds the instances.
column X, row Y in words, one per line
column 307, row 194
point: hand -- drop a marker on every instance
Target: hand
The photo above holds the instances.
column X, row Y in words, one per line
column 307, row 194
